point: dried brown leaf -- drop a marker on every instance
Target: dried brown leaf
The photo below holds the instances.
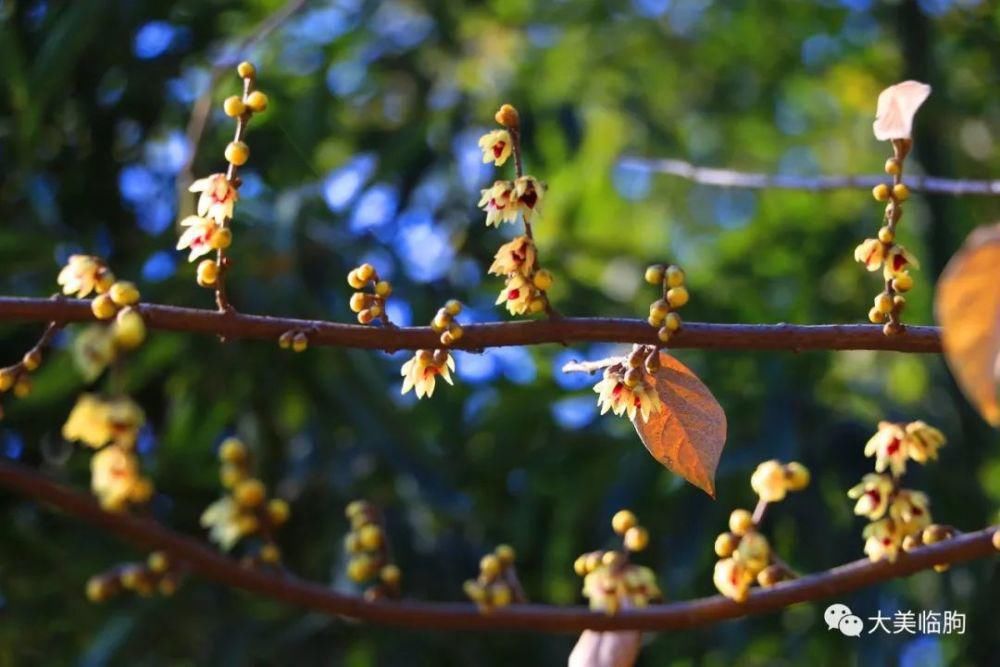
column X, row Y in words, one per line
column 967, row 304
column 689, row 431
column 606, row 649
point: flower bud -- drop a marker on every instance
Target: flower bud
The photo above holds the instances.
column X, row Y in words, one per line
column 675, row 276
column 664, row 335
column 366, row 272
column 490, row 566
column 505, row 553
column 673, row 321
column 249, row 493
column 725, row 544
column 633, row 377
column 358, row 302
column 208, row 273
column 636, row 538
column 256, row 101
column 900, row 192
column 278, row 511
column 881, row 192
column 876, row 316
column 893, row 167
column 622, row 521
column 158, row 562
column 232, row 450
column 124, row 293
column 365, row 317
column 903, row 282
column 300, row 342
column 129, row 330
column 370, row 537
column 354, row 280
column 740, row 522
column 7, row 379
column 390, row 575
column 246, row 70
column 32, row 360
column 237, row 152
column 886, row 235
column 652, row 362
column 270, row 554
column 659, row 308
column 508, row 117
column 654, row 274
column 677, row 296
column 103, row 307
column 285, row 340
column 883, row 303
column 383, row 288
column 221, row 239
column 233, row 106
column 542, row 279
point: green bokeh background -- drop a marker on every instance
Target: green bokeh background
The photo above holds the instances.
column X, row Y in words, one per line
column 777, row 86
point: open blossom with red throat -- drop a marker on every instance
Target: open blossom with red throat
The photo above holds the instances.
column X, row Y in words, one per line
column 496, row 146
column 898, row 261
column 516, row 256
column 615, row 395
column 497, row 200
column 198, row 236
column 528, row 193
column 889, row 447
column 882, row 540
column 911, row 511
column 420, row 372
column 732, row 579
column 923, row 441
column 871, row 253
column 518, row 294
column 84, row 274
column 872, row 495
column 217, row 197
column 115, row 478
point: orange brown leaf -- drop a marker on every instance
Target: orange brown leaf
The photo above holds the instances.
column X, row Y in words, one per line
column 967, row 304
column 688, row 433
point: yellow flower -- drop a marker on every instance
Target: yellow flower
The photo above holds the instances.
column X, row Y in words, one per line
column 910, row 510
column 528, row 193
column 496, row 146
column 753, row 552
column 870, row 252
column 923, row 441
column 897, row 105
column 613, row 394
column 518, row 292
column 222, row 518
column 96, row 422
column 889, row 447
column 114, row 474
column 882, row 540
column 93, row 350
column 898, row 261
column 419, row 373
column 769, row 481
column 610, row 588
column 198, row 236
column 497, row 200
column 516, row 256
column 217, row 197
column 872, row 495
column 83, row 274
column 732, row 579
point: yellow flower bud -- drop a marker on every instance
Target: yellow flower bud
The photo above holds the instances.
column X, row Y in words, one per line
column 456, row 331
column 221, row 239
column 655, row 321
column 652, row 362
column 22, row 387
column 893, row 167
column 358, row 300
column 124, row 293
column 505, row 553
column 158, row 562
column 103, row 307
column 623, row 520
column 247, row 524
column 453, row 307
column 500, row 594
column 370, row 537
column 270, row 554
column 447, row 339
column 233, row 106
column 356, row 508
column 740, row 522
column 883, row 303
column 636, row 538
column 7, row 379
column 98, row 589
column 903, row 282
column 659, row 309
column 508, row 117
column 246, row 70
column 383, row 288
column 490, row 566
column 376, row 309
column 474, row 591
column 237, row 152
column 610, row 558
column 633, row 377
column 231, row 475
column 361, row 568
column 104, row 281
column 390, row 575
column 654, row 274
column 208, row 273
column 278, row 511
column 594, row 559
column 664, row 335
column 673, row 321
column 365, row 272
column 881, row 192
column 129, row 330
column 542, row 279
column 365, row 317
column 232, row 450
column 900, row 192
column 770, row 575
column 249, row 493
column 886, row 235
column 675, row 276
column 996, row 539
column 256, row 101
column 300, row 342
column 677, row 296
column 354, row 280
column 536, row 305
column 580, row 565
column 876, row 316
column 725, row 544
column 797, row 475
column 31, row 360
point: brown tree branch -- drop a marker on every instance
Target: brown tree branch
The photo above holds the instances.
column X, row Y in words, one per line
column 730, row 178
column 495, row 334
column 212, row 565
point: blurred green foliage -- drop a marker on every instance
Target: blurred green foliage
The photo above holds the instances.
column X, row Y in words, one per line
column 368, row 151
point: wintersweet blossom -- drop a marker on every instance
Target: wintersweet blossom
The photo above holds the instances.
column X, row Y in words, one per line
column 528, row 193
column 872, row 495
column 96, row 421
column 498, row 202
column 516, row 256
column 217, row 197
column 924, row 441
column 889, row 447
column 910, row 510
column 614, row 395
column 419, row 373
column 769, row 481
column 114, row 476
column 84, row 274
column 898, row 261
column 882, row 540
column 517, row 294
column 496, row 146
column 222, row 518
column 871, row 253
column 897, row 105
column 198, row 236
column 609, row 588
column 732, row 579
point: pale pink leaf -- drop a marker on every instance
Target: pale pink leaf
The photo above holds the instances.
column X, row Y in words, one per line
column 897, row 105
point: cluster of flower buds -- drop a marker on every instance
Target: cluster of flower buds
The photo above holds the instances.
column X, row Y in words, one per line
column 894, row 121
column 525, row 284
column 663, row 312
column 84, row 274
column 294, row 340
column 626, row 388
column 245, row 510
column 368, row 305
column 208, row 230
column 898, row 517
column 157, row 575
column 745, row 555
column 111, row 426
column 610, row 581
column 368, row 549
column 497, row 584
column 420, row 372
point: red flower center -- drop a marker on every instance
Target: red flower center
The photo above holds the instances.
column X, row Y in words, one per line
column 529, row 198
column 898, row 262
column 498, row 148
column 513, row 294
column 894, row 446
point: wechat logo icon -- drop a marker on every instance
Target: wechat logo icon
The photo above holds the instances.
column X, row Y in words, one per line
column 840, row 617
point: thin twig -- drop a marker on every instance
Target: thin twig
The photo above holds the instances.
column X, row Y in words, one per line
column 694, row 335
column 730, row 178
column 283, row 587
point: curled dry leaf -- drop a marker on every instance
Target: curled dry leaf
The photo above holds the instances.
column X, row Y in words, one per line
column 606, row 649
column 688, row 433
column 967, row 304
column 897, row 105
